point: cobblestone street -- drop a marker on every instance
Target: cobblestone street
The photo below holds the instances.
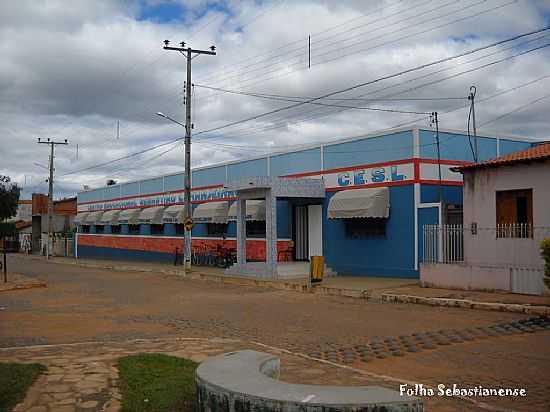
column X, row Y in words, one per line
column 321, row 339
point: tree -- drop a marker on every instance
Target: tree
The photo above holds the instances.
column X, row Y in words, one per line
column 9, row 198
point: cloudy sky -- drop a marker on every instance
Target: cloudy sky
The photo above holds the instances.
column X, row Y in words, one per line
column 75, row 69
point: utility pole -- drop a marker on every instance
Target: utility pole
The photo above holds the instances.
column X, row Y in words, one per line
column 52, row 144
column 188, row 52
column 471, row 98
column 434, row 120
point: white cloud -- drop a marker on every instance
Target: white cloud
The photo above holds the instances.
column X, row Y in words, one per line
column 71, row 70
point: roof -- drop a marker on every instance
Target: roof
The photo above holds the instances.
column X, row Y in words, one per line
column 21, row 224
column 536, row 153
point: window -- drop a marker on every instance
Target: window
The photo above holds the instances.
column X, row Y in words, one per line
column 514, row 213
column 133, row 229
column 359, row 228
column 85, row 229
column 115, row 229
column 157, row 229
column 216, row 229
column 180, row 229
column 255, row 228
column 100, row 229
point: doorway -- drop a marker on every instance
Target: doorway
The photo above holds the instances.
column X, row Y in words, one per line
column 308, row 232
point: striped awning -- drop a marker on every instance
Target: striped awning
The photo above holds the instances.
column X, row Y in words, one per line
column 80, row 218
column 211, row 212
column 110, row 217
column 255, row 210
column 173, row 214
column 128, row 216
column 93, row 218
column 151, row 215
column 373, row 202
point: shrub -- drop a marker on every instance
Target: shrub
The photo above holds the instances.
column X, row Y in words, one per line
column 545, row 252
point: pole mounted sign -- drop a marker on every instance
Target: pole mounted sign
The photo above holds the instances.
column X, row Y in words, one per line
column 188, row 224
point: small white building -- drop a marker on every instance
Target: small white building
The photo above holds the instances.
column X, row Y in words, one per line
column 506, row 216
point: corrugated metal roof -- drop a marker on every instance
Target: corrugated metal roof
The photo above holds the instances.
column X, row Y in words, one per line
column 539, row 152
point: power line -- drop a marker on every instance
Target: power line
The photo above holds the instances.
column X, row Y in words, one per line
column 263, row 79
column 285, row 47
column 431, row 82
column 315, row 103
column 359, row 85
column 532, row 102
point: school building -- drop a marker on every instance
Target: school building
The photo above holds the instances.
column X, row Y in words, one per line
column 360, row 202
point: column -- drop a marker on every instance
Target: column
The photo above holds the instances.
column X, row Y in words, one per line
column 271, row 233
column 144, row 229
column 241, row 231
column 169, row 229
column 124, row 229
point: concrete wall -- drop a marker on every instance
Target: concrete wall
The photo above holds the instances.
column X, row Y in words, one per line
column 465, row 277
column 480, row 207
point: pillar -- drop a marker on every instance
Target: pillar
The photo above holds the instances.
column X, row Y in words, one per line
column 107, row 229
column 241, row 231
column 271, row 233
column 124, row 229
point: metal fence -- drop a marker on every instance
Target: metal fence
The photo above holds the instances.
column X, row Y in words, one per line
column 59, row 246
column 443, row 244
column 515, row 244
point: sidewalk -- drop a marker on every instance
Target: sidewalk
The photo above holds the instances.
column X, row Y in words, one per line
column 17, row 281
column 84, row 376
column 383, row 289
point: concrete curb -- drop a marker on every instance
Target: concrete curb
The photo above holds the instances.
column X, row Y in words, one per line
column 468, row 304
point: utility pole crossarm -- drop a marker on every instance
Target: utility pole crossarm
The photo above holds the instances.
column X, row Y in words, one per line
column 194, row 51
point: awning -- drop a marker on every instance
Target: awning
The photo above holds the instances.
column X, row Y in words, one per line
column 110, row 217
column 374, row 202
column 211, row 212
column 173, row 214
column 151, row 215
column 93, row 218
column 128, row 216
column 80, row 218
column 255, row 210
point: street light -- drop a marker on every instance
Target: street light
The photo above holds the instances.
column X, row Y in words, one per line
column 169, row 118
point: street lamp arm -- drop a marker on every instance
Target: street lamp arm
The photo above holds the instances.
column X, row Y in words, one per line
column 169, row 118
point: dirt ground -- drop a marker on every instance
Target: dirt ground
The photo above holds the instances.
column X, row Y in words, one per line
column 88, row 304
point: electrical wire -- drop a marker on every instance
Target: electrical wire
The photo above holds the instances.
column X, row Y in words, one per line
column 363, row 84
column 520, row 108
column 309, row 102
column 437, row 81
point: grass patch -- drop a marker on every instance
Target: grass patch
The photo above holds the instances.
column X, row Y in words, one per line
column 15, row 380
column 156, row 382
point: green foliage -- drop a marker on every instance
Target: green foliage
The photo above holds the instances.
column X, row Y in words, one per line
column 156, row 382
column 15, row 379
column 545, row 252
column 9, row 196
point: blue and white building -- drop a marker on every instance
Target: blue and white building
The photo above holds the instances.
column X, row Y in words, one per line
column 379, row 190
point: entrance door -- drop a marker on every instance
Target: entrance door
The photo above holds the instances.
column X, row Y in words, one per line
column 301, row 233
column 315, row 230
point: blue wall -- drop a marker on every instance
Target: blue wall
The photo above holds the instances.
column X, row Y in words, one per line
column 509, row 146
column 455, row 146
column 389, row 256
column 372, row 150
column 123, row 254
column 451, row 194
column 208, row 177
column 247, row 168
column 296, row 162
column 174, row 182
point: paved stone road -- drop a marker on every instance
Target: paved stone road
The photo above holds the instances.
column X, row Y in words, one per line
column 83, row 304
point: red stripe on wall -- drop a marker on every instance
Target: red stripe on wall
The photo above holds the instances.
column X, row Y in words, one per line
column 255, row 248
